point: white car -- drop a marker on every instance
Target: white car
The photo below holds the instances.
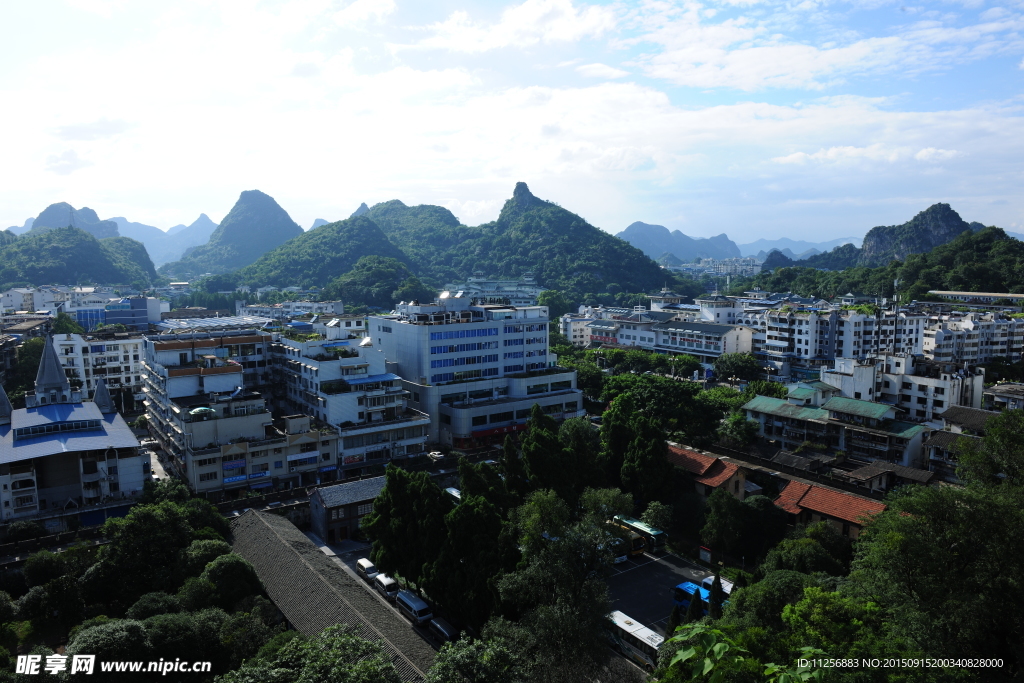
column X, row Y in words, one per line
column 435, row 455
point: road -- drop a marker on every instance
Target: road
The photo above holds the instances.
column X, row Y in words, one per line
column 642, row 587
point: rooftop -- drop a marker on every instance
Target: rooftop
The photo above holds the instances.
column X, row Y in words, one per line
column 313, row 592
column 968, row 418
column 708, row 470
column 350, row 492
column 113, row 432
column 780, row 407
column 854, row 406
column 707, row 328
column 172, row 324
column 798, row 496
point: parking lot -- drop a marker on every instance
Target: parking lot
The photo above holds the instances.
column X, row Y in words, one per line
column 642, row 587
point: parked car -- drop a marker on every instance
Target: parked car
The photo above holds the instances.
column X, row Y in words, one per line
column 386, row 586
column 366, row 569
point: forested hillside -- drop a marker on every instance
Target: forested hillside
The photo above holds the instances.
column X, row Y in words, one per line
column 988, row 260
column 320, row 255
column 255, row 225
column 70, row 255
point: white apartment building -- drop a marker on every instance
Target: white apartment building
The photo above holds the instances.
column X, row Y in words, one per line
column 341, row 379
column 290, row 309
column 481, row 290
column 217, row 430
column 475, row 369
column 973, row 338
column 114, row 358
column 922, row 389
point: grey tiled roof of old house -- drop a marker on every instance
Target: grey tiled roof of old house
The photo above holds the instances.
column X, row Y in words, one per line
column 313, row 592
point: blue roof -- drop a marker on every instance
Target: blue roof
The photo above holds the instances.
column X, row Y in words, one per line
column 55, row 412
column 113, row 433
column 386, row 377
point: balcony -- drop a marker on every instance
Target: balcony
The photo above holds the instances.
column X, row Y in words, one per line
column 409, row 415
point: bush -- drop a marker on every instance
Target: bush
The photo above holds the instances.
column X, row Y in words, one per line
column 233, row 577
column 42, row 567
column 24, row 531
column 152, row 604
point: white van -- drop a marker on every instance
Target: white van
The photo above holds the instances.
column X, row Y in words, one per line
column 441, row 630
column 386, row 586
column 709, row 580
column 413, row 607
column 366, row 569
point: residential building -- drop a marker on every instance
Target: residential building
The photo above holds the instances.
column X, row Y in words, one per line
column 709, row 472
column 705, row 341
column 287, row 310
column 336, row 512
column 973, row 338
column 958, row 422
column 979, row 297
column 480, row 290
column 921, row 387
column 574, row 328
column 341, row 379
column 205, row 412
column 861, row 430
column 114, row 358
column 885, row 476
column 60, row 457
column 475, row 369
column 1003, row 396
column 809, row 503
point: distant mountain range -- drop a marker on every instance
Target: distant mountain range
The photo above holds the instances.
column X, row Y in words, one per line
column 675, row 248
column 255, row 225
column 170, row 245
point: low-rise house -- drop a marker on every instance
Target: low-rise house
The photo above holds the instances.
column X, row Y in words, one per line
column 336, row 512
column 710, row 473
column 1003, row 396
column 884, row 476
column 809, row 503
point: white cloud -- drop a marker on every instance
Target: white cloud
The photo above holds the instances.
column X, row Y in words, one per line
column 65, row 163
column 362, row 11
column 102, row 128
column 532, row 22
column 933, row 154
column 600, row 71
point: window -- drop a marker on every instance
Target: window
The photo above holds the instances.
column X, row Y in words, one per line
column 203, row 462
column 278, row 464
column 260, row 467
column 209, row 476
column 325, row 456
column 501, row 417
column 364, row 509
column 479, row 420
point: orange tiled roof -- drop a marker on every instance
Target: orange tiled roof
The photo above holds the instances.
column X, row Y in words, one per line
column 719, row 473
column 790, row 496
column 797, row 497
column 690, row 461
column 839, row 505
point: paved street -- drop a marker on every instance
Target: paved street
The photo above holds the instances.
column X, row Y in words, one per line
column 642, row 587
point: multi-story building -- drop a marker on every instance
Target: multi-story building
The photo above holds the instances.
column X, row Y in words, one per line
column 481, row 290
column 135, row 313
column 862, row 430
column 475, row 369
column 705, row 341
column 1003, row 396
column 219, row 432
column 114, row 358
column 973, row 338
column 341, row 379
column 287, row 310
column 63, row 457
column 574, row 328
column 921, row 387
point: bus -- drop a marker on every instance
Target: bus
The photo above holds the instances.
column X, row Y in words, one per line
column 684, row 591
column 633, row 640
column 635, row 542
column 654, row 539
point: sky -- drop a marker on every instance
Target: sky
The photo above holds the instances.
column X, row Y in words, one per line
column 810, row 119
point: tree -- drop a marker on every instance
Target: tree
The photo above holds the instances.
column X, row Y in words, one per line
column 998, row 458
column 760, row 387
column 646, row 471
column 741, row 365
column 542, row 455
column 43, row 567
column 558, row 305
column 657, row 515
column 716, row 598
column 738, row 429
column 479, row 661
column 589, row 377
column 616, row 436
column 600, row 505
column 512, row 465
column 723, row 526
column 118, row 640
column 581, row 446
column 233, row 577
column 543, row 516
column 152, row 604
column 65, row 324
column 695, row 610
column 198, row 554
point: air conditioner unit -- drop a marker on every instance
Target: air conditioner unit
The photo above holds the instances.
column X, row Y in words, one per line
column 292, row 468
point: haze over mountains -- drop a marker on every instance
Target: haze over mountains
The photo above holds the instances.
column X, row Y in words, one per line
column 674, row 247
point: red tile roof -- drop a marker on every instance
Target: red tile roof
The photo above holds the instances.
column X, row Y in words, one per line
column 719, row 473
column 790, row 497
column 690, row 461
column 844, row 506
column 797, row 497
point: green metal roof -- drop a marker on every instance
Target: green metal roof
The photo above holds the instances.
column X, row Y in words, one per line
column 800, row 393
column 821, row 386
column 783, row 408
column 853, row 406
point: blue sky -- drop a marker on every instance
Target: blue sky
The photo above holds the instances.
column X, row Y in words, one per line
column 811, row 120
